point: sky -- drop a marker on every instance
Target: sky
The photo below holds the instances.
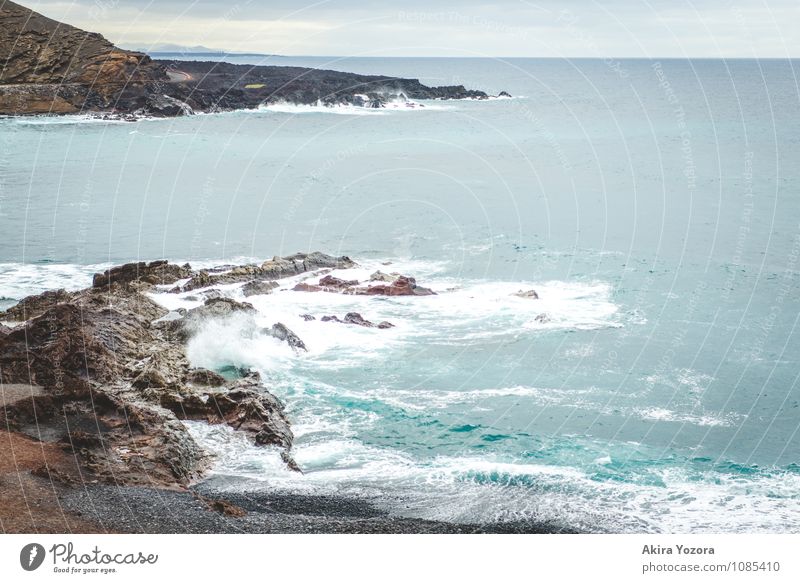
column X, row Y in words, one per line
column 466, row 28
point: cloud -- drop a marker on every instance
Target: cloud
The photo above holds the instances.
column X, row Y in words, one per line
column 549, row 28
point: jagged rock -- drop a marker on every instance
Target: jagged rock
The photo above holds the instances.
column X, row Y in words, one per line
column 504, row 94
column 205, row 377
column 543, row 319
column 212, row 294
column 216, row 308
column 149, row 378
column 358, row 320
column 402, row 286
column 531, row 294
column 276, row 268
column 281, row 332
column 112, row 381
column 156, row 272
column 308, row 317
column 244, row 405
column 381, row 276
column 258, row 288
column 328, row 283
column 33, row 306
column 399, row 286
column 54, row 68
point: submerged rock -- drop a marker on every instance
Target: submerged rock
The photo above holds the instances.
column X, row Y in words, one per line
column 530, row 294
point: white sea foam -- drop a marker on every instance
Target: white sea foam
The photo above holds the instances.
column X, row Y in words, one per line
column 18, row 280
column 464, row 312
column 345, row 109
column 675, row 499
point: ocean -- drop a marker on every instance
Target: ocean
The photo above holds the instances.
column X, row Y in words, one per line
column 653, row 205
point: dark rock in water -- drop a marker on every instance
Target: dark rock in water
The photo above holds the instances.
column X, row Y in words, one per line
column 402, row 286
column 155, row 272
column 308, row 317
column 399, row 285
column 531, row 294
column 33, row 306
column 358, row 320
column 258, row 288
column 205, row 377
column 381, row 276
column 503, row 94
column 276, row 268
column 543, row 319
column 327, row 283
column 281, row 332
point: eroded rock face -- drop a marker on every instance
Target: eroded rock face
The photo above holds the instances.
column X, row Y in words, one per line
column 114, row 385
column 33, row 306
column 243, row 404
column 37, row 49
column 50, row 67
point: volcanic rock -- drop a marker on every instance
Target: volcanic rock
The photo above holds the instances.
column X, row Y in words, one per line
column 258, row 288
column 281, row 332
column 358, row 320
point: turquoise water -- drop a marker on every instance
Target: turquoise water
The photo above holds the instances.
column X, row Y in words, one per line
column 655, row 207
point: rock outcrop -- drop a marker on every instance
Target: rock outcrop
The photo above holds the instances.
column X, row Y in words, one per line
column 396, row 286
column 110, row 380
column 357, row 319
column 275, row 268
column 50, row 67
column 103, row 372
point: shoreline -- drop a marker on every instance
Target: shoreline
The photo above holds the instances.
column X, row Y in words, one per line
column 97, row 383
column 205, row 508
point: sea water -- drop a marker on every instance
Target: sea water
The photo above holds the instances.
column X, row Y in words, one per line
column 654, row 207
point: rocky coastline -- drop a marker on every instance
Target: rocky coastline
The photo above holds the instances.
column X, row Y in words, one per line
column 96, row 385
column 53, row 68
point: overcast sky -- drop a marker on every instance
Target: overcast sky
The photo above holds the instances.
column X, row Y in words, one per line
column 547, row 28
